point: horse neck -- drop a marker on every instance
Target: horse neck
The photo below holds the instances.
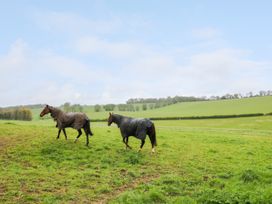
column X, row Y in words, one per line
column 56, row 113
column 117, row 119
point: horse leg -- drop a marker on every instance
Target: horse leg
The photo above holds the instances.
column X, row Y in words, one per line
column 152, row 136
column 87, row 137
column 79, row 134
column 64, row 133
column 125, row 140
column 127, row 143
column 87, row 128
column 142, row 144
column 152, row 143
column 58, row 134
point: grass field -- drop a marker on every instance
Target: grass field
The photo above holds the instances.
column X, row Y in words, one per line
column 197, row 161
column 202, row 108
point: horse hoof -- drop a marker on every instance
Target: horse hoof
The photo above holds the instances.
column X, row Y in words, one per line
column 139, row 150
column 153, row 150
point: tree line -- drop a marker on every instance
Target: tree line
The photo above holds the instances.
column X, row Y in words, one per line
column 177, row 99
column 32, row 106
column 239, row 95
column 21, row 113
column 128, row 107
column 137, row 104
column 68, row 107
column 119, row 107
column 169, row 100
column 133, row 104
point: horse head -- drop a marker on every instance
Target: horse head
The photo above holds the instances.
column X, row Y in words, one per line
column 110, row 119
column 45, row 111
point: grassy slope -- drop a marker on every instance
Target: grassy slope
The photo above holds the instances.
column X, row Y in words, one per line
column 204, row 108
column 222, row 107
column 196, row 161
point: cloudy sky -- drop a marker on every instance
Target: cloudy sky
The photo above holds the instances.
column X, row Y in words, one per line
column 107, row 51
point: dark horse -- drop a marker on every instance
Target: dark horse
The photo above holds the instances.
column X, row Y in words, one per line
column 138, row 128
column 64, row 120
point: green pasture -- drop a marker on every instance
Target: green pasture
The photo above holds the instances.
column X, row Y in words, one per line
column 219, row 107
column 197, row 161
column 200, row 108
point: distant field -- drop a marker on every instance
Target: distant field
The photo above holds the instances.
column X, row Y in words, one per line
column 221, row 107
column 197, row 161
column 203, row 108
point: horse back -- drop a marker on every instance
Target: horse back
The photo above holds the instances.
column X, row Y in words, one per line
column 75, row 120
column 135, row 127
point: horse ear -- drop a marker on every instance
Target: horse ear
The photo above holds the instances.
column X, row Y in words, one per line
column 47, row 105
column 109, row 113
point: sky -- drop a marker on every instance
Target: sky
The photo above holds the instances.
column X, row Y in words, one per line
column 107, row 51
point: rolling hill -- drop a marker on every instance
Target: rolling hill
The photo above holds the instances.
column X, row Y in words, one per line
column 201, row 108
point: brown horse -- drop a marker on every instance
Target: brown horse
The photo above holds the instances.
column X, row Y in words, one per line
column 136, row 127
column 64, row 120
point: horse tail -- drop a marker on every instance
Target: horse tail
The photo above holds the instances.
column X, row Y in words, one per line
column 87, row 127
column 152, row 135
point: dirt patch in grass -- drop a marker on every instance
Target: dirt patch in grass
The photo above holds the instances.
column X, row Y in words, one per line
column 105, row 198
column 3, row 189
column 9, row 141
column 5, row 143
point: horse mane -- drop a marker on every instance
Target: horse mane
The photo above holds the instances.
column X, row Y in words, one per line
column 55, row 112
column 120, row 116
column 117, row 119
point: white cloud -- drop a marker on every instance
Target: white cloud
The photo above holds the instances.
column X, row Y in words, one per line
column 108, row 58
column 15, row 57
column 72, row 23
column 207, row 73
column 30, row 76
column 205, row 33
column 91, row 45
column 130, row 70
column 53, row 93
column 226, row 70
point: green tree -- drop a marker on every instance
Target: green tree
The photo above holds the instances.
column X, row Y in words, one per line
column 122, row 107
column 144, row 107
column 109, row 107
column 97, row 108
column 67, row 107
